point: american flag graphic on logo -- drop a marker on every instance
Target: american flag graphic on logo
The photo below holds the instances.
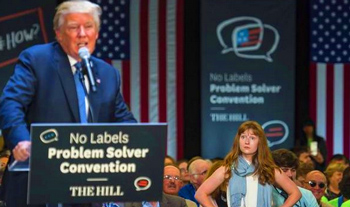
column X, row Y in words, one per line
column 330, row 72
column 249, row 37
column 144, row 40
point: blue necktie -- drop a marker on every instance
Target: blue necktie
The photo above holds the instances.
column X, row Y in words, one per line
column 80, row 93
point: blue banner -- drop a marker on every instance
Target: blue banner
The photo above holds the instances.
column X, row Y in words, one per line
column 247, row 71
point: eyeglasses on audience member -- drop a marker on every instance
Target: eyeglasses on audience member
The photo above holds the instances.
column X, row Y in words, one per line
column 197, row 174
column 169, row 177
column 314, row 183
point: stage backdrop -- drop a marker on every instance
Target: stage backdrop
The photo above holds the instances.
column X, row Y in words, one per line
column 22, row 24
column 144, row 40
column 330, row 73
column 247, row 71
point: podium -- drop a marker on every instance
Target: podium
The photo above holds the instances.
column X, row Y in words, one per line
column 95, row 163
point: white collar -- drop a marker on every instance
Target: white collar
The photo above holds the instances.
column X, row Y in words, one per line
column 72, row 61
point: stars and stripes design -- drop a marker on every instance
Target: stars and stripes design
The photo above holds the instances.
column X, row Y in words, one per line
column 144, row 40
column 248, row 37
column 330, row 72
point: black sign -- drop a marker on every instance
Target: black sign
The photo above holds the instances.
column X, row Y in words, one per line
column 22, row 25
column 96, row 163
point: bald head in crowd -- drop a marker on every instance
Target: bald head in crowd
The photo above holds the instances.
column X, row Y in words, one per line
column 198, row 170
column 316, row 182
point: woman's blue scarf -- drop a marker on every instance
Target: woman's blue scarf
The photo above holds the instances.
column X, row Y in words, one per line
column 238, row 185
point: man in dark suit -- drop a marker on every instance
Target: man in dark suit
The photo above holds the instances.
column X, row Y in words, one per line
column 167, row 201
column 43, row 90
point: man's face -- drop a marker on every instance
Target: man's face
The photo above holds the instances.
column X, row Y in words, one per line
column 78, row 30
column 316, row 183
column 171, row 180
column 309, row 130
column 291, row 172
column 305, row 158
column 198, row 173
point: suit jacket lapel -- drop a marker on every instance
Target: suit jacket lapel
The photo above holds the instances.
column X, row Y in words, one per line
column 67, row 80
column 165, row 202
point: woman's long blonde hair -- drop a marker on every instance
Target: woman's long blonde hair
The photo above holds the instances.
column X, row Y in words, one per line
column 262, row 160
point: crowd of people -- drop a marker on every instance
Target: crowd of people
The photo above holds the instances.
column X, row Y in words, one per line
column 283, row 177
column 251, row 175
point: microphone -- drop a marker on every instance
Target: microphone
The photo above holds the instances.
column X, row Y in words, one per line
column 84, row 54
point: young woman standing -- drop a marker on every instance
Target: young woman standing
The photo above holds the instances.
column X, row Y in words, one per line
column 249, row 172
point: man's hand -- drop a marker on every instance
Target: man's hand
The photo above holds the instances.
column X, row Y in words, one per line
column 21, row 151
column 318, row 158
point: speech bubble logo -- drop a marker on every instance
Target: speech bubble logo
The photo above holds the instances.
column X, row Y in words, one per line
column 247, row 37
column 276, row 132
column 235, row 21
column 49, row 136
column 142, row 183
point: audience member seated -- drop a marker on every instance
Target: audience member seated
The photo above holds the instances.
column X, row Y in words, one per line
column 302, row 171
column 316, row 182
column 303, row 155
column 171, row 181
column 308, row 136
column 192, row 160
column 339, row 158
column 198, row 170
column 334, row 174
column 167, row 201
column 289, row 163
column 171, row 186
column 169, row 160
column 344, row 186
column 185, row 176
